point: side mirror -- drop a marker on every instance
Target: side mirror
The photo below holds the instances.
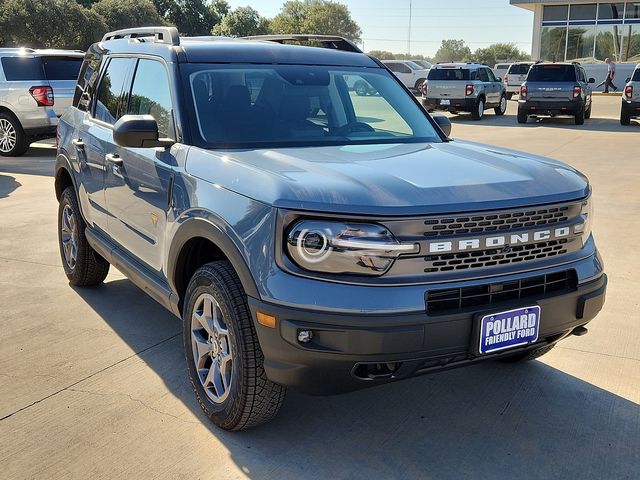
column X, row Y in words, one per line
column 592, row 80
column 444, row 123
column 627, row 80
column 139, row 131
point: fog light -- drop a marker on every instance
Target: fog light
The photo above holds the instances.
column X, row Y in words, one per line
column 305, row 336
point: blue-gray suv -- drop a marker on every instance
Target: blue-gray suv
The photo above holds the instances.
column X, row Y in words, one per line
column 307, row 236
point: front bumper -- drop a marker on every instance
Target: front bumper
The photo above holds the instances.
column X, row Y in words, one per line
column 455, row 104
column 347, row 347
column 632, row 108
column 540, row 107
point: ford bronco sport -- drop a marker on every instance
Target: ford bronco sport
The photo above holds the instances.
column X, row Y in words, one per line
column 556, row 89
column 309, row 237
column 464, row 87
column 631, row 98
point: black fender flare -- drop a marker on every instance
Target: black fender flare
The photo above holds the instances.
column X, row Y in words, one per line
column 213, row 230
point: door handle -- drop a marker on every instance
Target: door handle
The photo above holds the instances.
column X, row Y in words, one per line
column 78, row 143
column 113, row 158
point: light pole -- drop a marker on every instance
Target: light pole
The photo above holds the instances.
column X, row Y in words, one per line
column 409, row 37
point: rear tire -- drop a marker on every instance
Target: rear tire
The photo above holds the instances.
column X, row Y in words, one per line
column 83, row 266
column 625, row 117
column 478, row 112
column 587, row 113
column 579, row 119
column 522, row 116
column 502, row 106
column 509, row 95
column 13, row 140
column 526, row 356
column 228, row 378
column 419, row 84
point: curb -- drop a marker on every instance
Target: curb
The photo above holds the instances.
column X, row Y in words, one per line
column 610, row 94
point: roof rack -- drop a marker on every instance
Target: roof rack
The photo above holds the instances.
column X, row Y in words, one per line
column 167, row 35
column 326, row 41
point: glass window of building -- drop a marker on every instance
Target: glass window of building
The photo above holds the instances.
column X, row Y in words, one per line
column 580, row 43
column 582, row 12
column 608, row 42
column 631, row 43
column 610, row 11
column 633, row 10
column 552, row 43
column 555, row 13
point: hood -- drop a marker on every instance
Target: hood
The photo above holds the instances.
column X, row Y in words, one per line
column 398, row 179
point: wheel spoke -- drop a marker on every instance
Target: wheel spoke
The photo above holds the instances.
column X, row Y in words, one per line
column 225, row 370
column 202, row 349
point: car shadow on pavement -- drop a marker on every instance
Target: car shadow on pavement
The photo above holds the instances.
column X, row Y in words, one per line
column 8, row 185
column 40, row 160
column 487, row 421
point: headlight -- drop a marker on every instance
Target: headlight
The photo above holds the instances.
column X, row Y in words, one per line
column 336, row 247
column 587, row 220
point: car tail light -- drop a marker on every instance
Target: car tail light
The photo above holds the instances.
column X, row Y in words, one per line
column 577, row 91
column 628, row 91
column 423, row 88
column 42, row 95
column 469, row 90
column 506, row 79
column 523, row 92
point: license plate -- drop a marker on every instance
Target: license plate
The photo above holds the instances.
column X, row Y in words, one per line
column 499, row 331
column 445, row 102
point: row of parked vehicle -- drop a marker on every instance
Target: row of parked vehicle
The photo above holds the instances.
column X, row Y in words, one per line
column 544, row 89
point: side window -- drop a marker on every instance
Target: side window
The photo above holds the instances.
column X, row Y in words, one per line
column 405, row 69
column 582, row 75
column 482, row 74
column 473, row 75
column 109, row 95
column 150, row 94
column 492, row 77
column 393, row 67
column 87, row 80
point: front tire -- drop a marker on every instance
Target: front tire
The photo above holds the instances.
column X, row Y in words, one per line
column 502, row 107
column 419, row 83
column 478, row 112
column 522, row 116
column 13, row 140
column 580, row 116
column 361, row 88
column 82, row 265
column 224, row 359
column 625, row 117
column 509, row 95
column 587, row 113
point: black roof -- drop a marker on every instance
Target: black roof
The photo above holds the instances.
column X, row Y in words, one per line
column 164, row 42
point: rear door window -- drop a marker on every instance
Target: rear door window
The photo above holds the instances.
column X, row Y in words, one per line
column 552, row 73
column 62, row 68
column 448, row 74
column 483, row 75
column 22, row 68
column 109, row 98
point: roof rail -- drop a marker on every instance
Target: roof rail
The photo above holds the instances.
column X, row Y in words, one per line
column 168, row 35
column 326, row 41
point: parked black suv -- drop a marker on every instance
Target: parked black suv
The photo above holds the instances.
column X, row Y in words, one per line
column 556, row 89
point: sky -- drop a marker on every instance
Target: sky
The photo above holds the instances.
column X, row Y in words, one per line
column 385, row 23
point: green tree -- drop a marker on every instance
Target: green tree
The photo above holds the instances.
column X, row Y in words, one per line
column 49, row 24
column 316, row 17
column 382, row 54
column 500, row 52
column 119, row 14
column 192, row 17
column 242, row 22
column 453, row 51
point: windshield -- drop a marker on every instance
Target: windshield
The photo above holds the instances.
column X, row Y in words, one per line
column 448, row 74
column 287, row 105
column 424, row 64
column 552, row 73
column 414, row 65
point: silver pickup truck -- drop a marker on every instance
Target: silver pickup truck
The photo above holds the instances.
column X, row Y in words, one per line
column 464, row 87
column 515, row 77
column 631, row 98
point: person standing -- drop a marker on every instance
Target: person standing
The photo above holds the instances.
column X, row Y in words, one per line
column 611, row 73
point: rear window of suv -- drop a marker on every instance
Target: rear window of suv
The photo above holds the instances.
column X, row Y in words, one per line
column 448, row 74
column 62, row 68
column 519, row 69
column 552, row 73
column 22, row 68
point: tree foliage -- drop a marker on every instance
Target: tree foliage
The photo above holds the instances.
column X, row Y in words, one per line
column 453, row 51
column 49, row 24
column 127, row 13
column 499, row 52
column 242, row 22
column 385, row 55
column 322, row 17
column 192, row 17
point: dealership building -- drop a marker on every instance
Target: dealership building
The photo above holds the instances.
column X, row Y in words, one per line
column 586, row 32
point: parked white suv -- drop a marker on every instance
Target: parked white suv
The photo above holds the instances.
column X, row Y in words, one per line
column 408, row 72
column 36, row 88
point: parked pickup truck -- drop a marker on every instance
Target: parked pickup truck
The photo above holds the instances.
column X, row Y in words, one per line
column 464, row 87
column 515, row 77
column 308, row 237
column 556, row 89
column 631, row 98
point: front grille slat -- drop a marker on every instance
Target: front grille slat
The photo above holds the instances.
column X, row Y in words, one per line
column 450, row 300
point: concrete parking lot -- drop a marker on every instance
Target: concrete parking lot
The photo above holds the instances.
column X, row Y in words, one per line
column 93, row 382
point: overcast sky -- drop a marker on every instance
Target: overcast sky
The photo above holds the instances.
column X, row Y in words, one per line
column 385, row 23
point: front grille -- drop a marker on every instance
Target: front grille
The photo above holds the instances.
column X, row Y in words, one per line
column 493, row 257
column 491, row 222
column 440, row 302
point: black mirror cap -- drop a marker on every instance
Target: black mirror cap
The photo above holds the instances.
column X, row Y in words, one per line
column 592, row 80
column 138, row 131
column 444, row 123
